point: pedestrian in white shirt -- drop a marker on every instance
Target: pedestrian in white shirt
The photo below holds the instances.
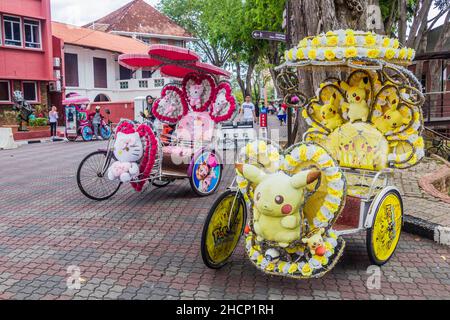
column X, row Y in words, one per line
column 247, row 110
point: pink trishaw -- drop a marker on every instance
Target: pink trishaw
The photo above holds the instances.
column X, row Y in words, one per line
column 77, row 121
column 139, row 153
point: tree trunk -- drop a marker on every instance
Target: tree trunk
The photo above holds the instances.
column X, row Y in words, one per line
column 310, row 17
column 402, row 21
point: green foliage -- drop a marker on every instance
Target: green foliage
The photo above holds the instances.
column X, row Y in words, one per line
column 38, row 122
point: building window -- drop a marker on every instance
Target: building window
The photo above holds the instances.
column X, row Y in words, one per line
column 30, row 92
column 101, row 98
column 100, row 73
column 179, row 43
column 13, row 31
column 159, row 83
column 147, row 74
column 125, row 73
column 32, row 33
column 163, row 41
column 71, row 69
column 143, row 84
column 124, row 85
column 5, row 91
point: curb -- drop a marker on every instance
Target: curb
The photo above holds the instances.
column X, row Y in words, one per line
column 426, row 229
column 25, row 142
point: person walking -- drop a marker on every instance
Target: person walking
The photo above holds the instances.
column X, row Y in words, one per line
column 53, row 120
column 247, row 111
column 96, row 118
column 281, row 115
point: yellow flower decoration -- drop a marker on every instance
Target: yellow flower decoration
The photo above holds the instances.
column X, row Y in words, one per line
column 410, row 53
column 402, row 54
column 373, row 53
column 386, row 42
column 371, row 40
column 390, row 53
column 332, row 41
column 350, row 52
column 306, row 270
column 312, row 54
column 396, row 43
column 300, row 55
column 315, row 42
column 290, row 55
column 293, row 268
column 350, row 40
column 329, row 54
column 303, row 43
column 330, row 33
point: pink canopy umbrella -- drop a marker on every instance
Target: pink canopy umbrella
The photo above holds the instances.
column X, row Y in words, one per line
column 137, row 61
column 76, row 99
column 169, row 54
column 172, row 61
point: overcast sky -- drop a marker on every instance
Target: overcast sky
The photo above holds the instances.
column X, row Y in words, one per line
column 80, row 12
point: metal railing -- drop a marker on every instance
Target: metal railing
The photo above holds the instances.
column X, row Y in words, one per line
column 436, row 109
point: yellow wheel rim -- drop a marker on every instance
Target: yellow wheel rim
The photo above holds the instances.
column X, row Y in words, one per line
column 387, row 227
column 224, row 229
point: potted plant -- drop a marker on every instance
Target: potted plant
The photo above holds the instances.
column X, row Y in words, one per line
column 38, row 124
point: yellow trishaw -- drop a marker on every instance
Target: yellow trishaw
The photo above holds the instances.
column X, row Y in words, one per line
column 365, row 121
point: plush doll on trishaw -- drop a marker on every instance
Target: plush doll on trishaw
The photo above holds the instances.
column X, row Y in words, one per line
column 138, row 153
column 364, row 123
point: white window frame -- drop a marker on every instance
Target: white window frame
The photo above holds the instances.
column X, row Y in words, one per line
column 32, row 34
column 20, row 27
column 36, row 90
column 9, row 91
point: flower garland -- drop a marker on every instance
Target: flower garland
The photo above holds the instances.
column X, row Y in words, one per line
column 199, row 101
column 166, row 109
column 224, row 106
column 346, row 44
column 148, row 161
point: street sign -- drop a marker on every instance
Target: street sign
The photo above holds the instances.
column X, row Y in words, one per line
column 268, row 35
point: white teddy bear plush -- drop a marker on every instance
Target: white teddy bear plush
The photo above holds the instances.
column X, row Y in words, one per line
column 128, row 150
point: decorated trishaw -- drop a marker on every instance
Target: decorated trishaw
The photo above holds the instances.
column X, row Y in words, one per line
column 77, row 122
column 365, row 122
column 138, row 153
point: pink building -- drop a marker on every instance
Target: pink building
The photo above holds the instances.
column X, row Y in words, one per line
column 26, row 52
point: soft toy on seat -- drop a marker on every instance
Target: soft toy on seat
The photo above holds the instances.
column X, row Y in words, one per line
column 276, row 210
column 128, row 150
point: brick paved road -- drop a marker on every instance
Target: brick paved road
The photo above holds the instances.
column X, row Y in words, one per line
column 146, row 246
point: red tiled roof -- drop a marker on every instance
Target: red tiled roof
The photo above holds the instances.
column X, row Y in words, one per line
column 97, row 39
column 139, row 17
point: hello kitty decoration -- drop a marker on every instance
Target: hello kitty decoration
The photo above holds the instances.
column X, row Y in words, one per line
column 128, row 150
column 172, row 106
column 199, row 91
column 224, row 103
column 132, row 146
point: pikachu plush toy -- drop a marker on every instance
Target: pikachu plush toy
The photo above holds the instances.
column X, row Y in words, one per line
column 330, row 115
column 277, row 201
column 356, row 106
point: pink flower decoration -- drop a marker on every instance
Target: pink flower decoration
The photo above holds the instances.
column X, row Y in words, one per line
column 203, row 80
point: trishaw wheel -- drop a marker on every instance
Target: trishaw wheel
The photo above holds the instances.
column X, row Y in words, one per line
column 383, row 236
column 161, row 183
column 223, row 228
column 105, row 132
column 87, row 134
column 92, row 177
